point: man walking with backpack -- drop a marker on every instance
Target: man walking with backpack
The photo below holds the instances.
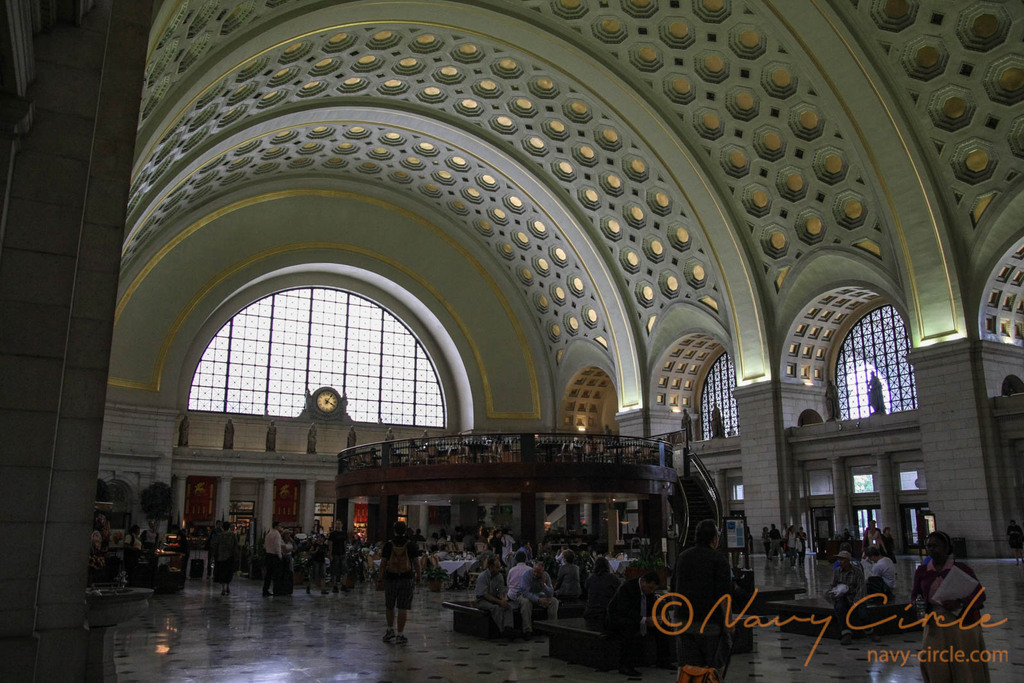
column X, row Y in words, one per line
column 400, row 566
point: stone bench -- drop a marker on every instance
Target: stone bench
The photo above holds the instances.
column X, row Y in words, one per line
column 571, row 640
column 469, row 619
column 574, row 641
column 800, row 611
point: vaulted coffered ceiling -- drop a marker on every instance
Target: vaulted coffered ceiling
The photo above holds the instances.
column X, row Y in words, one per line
column 609, row 162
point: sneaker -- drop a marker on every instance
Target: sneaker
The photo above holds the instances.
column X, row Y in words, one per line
column 846, row 639
column 400, row 639
column 307, row 590
column 389, row 635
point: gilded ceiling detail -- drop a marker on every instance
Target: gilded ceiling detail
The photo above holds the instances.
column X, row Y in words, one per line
column 746, row 102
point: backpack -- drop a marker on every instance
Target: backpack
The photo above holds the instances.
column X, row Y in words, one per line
column 698, row 674
column 399, row 562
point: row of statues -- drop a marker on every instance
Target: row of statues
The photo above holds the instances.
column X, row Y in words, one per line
column 270, row 444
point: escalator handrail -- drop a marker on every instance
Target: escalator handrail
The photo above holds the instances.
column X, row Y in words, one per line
column 709, row 486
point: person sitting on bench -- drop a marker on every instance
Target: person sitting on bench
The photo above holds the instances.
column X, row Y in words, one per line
column 490, row 597
column 535, row 589
column 847, row 588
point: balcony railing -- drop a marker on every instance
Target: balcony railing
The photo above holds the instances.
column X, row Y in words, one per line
column 507, row 448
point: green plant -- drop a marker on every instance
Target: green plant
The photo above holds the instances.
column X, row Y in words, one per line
column 155, row 501
column 648, row 558
column 433, row 572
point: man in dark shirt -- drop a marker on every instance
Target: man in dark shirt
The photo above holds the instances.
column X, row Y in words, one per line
column 399, row 565
column 336, row 544
column 702, row 575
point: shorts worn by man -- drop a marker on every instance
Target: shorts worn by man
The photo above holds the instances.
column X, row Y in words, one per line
column 400, row 567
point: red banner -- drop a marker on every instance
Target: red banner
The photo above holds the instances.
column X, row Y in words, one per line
column 200, row 495
column 286, row 500
column 361, row 513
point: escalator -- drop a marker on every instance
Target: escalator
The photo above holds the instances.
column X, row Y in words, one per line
column 694, row 499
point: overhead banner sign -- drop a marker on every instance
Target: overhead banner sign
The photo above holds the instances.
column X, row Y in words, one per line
column 200, row 496
column 286, row 500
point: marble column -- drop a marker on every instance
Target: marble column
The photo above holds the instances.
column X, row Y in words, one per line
column 178, row 492
column 766, row 462
column 223, row 498
column 71, row 101
column 266, row 505
column 722, row 484
column 308, row 505
column 886, row 485
column 840, row 491
column 967, row 486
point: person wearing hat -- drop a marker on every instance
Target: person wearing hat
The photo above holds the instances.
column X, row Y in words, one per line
column 846, row 589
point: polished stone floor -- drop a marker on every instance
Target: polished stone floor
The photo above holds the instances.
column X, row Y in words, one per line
column 201, row 636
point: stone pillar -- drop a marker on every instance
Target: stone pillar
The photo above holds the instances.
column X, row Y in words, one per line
column 634, row 423
column 886, row 485
column 267, row 504
column 586, row 515
column 960, row 445
column 65, row 194
column 178, row 496
column 308, row 505
column 767, row 497
column 840, row 491
column 572, row 517
column 223, row 498
column 722, row 484
column 532, row 518
column 613, row 527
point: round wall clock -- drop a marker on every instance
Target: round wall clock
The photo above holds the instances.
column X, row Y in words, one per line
column 326, row 400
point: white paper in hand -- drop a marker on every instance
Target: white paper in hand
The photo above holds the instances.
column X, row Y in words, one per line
column 840, row 589
column 957, row 584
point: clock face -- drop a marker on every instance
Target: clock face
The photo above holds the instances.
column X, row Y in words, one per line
column 327, row 400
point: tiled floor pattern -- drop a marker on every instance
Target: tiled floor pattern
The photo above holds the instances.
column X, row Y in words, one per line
column 202, row 636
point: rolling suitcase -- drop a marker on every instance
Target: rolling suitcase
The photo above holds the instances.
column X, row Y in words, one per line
column 195, row 568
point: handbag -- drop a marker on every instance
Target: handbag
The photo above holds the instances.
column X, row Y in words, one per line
column 698, row 674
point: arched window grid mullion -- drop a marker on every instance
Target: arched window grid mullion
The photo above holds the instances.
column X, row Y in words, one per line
column 405, row 402
column 877, row 343
column 718, row 390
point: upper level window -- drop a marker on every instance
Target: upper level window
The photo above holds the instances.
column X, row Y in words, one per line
column 718, row 386
column 878, row 344
column 265, row 359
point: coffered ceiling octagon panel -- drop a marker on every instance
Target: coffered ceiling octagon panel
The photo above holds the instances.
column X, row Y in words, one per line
column 749, row 108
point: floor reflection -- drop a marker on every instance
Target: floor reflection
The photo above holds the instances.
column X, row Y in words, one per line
column 202, row 636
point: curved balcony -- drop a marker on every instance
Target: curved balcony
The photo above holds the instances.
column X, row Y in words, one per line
column 507, row 463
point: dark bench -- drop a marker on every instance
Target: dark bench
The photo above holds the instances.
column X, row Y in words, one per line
column 469, row 619
column 819, row 608
column 763, row 601
column 571, row 640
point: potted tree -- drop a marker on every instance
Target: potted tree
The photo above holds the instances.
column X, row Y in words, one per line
column 155, row 501
column 435, row 577
column 648, row 560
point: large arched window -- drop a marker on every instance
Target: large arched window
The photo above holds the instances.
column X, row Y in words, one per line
column 878, row 343
column 263, row 361
column 717, row 391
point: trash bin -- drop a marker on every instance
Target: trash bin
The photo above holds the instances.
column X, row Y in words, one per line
column 959, row 547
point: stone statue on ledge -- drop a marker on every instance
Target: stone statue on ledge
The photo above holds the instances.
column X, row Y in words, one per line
column 832, row 401
column 229, row 435
column 271, row 437
column 390, row 435
column 717, row 428
column 183, row 428
column 351, row 440
column 876, row 401
column 311, row 439
column 687, row 427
